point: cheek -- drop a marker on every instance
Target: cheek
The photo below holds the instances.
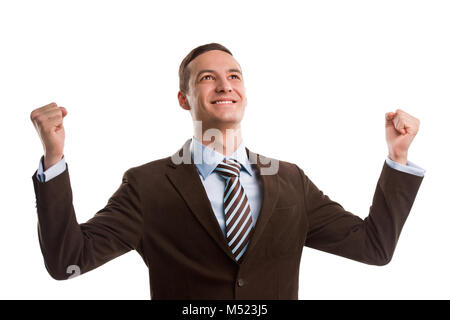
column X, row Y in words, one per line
column 240, row 90
column 244, row 99
column 196, row 98
column 203, row 95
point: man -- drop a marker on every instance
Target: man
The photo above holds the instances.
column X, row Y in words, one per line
column 215, row 220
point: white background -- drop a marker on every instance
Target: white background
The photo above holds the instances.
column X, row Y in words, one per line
column 320, row 75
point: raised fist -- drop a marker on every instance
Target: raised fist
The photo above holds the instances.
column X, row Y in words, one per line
column 48, row 121
column 401, row 128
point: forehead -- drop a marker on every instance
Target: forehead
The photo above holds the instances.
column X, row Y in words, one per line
column 214, row 60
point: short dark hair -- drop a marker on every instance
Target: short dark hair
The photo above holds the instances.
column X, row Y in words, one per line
column 184, row 72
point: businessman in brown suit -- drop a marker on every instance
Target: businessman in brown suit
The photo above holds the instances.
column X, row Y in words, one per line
column 216, row 220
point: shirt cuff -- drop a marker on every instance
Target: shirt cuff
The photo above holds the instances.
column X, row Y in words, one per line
column 410, row 167
column 53, row 171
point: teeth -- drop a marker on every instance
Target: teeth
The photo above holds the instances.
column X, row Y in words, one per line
column 217, row 102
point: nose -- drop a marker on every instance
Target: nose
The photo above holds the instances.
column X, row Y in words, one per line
column 223, row 85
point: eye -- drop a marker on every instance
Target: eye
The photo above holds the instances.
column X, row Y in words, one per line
column 207, row 77
column 234, row 76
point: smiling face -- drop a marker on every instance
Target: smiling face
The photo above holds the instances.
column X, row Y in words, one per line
column 216, row 94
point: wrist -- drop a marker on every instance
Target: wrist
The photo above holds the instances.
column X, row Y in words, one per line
column 50, row 160
column 399, row 158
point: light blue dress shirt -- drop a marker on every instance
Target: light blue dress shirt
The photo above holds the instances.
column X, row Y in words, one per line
column 410, row 167
column 53, row 171
column 206, row 160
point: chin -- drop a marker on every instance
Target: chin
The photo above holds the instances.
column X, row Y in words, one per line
column 228, row 121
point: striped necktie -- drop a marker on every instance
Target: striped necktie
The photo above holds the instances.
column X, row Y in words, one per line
column 238, row 217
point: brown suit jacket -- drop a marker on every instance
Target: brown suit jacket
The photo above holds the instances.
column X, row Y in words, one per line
column 161, row 209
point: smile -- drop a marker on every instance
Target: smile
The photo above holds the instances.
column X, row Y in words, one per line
column 223, row 102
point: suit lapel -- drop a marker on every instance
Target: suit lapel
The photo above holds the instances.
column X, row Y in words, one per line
column 186, row 180
column 270, row 197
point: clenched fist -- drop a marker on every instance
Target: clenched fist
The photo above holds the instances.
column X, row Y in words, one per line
column 401, row 128
column 48, row 121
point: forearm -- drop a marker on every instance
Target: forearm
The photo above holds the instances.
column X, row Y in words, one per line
column 114, row 230
column 392, row 202
column 60, row 237
column 372, row 240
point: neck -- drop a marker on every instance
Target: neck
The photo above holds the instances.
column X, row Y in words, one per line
column 224, row 140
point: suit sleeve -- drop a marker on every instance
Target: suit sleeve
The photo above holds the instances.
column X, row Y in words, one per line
column 371, row 240
column 65, row 244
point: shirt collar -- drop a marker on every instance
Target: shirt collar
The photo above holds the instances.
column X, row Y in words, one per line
column 206, row 159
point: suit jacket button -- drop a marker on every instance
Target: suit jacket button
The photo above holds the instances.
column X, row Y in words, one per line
column 240, row 282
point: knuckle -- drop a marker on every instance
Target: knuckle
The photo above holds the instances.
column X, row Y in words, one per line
column 35, row 113
column 40, row 118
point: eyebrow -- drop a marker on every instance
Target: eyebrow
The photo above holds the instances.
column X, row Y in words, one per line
column 212, row 71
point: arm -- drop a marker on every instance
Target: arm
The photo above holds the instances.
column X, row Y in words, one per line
column 372, row 240
column 65, row 244
column 113, row 231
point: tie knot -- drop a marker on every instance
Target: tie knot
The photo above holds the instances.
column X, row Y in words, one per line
column 228, row 168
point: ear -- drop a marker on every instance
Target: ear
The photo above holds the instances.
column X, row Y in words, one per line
column 182, row 100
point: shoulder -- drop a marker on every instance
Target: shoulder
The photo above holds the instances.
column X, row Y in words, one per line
column 284, row 170
column 150, row 170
